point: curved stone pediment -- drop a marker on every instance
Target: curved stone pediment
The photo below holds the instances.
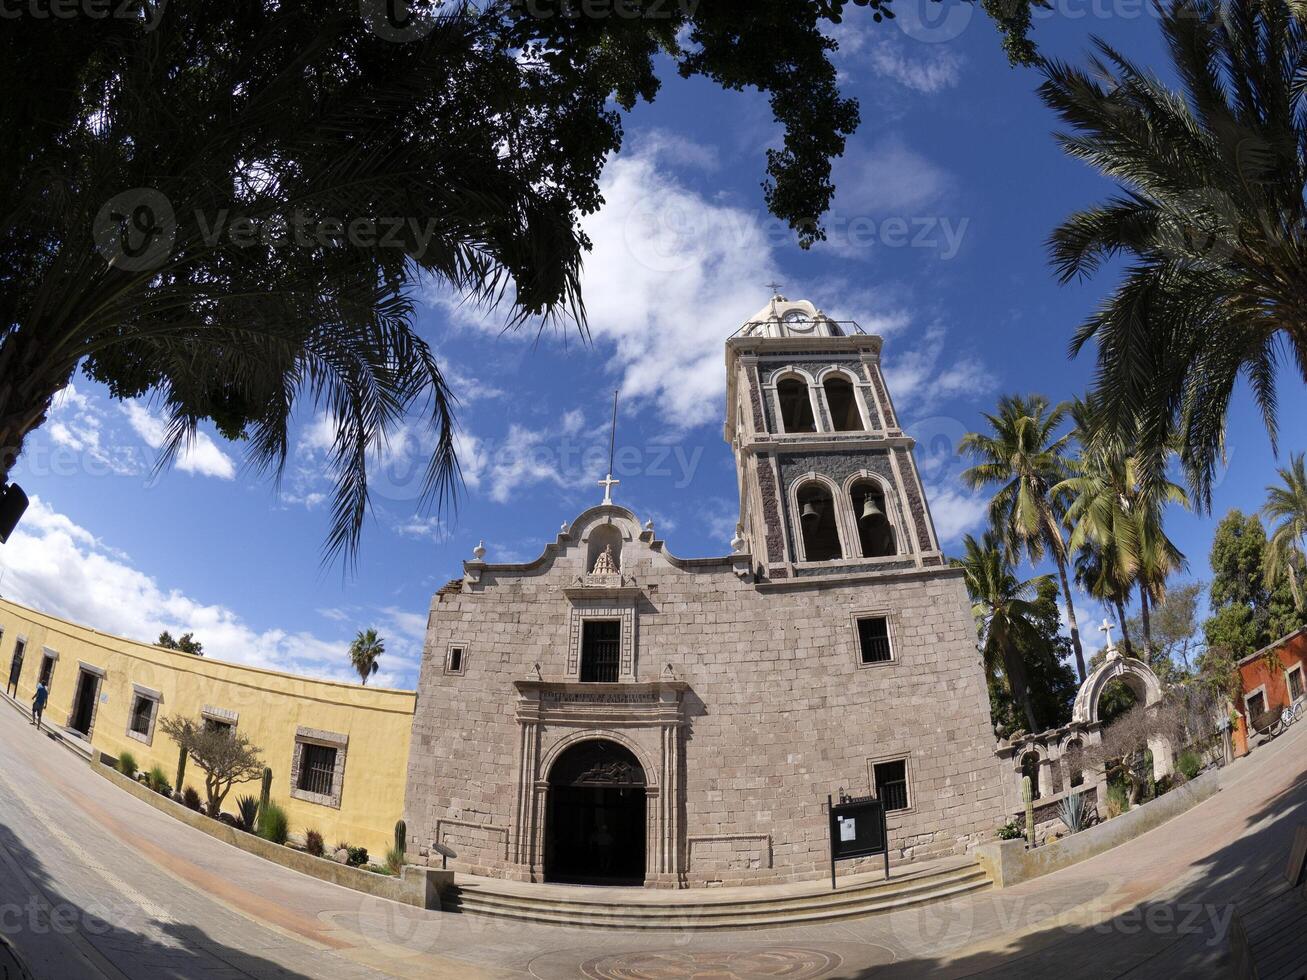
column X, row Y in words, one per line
column 1146, row 685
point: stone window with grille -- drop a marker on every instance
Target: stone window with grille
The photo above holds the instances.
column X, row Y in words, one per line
column 1294, row 679
column 889, row 784
column 317, row 771
column 874, row 641
column 145, row 710
column 601, row 650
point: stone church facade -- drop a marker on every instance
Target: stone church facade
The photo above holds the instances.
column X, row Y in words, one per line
column 611, row 713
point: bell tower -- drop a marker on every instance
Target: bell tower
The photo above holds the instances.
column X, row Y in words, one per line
column 828, row 482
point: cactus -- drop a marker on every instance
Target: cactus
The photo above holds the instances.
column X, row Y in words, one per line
column 266, row 793
column 401, row 836
column 1028, row 795
column 181, row 767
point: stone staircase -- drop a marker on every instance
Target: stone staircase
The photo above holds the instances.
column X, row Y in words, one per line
column 757, row 906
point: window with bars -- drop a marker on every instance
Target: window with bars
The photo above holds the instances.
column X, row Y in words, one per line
column 47, row 669
column 142, row 714
column 601, row 650
column 317, row 769
column 873, row 640
column 891, row 784
column 1295, row 684
column 214, row 725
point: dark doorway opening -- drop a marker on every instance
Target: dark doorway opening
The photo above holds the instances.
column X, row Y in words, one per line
column 88, row 689
column 595, row 827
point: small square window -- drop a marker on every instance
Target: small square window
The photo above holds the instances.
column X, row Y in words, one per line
column 873, row 640
column 601, row 648
column 455, row 658
column 890, row 781
column 317, row 769
column 214, row 725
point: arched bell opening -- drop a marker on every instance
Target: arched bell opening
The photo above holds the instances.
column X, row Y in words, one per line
column 821, row 533
column 871, row 510
column 796, row 406
column 842, row 403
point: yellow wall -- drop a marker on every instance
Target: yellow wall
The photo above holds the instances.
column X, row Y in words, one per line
column 270, row 706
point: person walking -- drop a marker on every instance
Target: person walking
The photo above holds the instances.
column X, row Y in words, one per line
column 38, row 702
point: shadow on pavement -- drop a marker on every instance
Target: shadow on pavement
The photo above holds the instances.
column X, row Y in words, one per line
column 1182, row 936
column 62, row 937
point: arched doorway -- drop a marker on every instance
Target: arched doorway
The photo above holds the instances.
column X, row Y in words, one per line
column 595, row 829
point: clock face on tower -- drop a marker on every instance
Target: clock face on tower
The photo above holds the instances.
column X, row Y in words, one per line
column 797, row 323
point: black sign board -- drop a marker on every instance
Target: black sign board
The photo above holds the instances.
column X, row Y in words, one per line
column 857, row 829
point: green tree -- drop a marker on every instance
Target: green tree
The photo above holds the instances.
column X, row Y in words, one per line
column 1287, row 503
column 1025, row 459
column 1211, row 221
column 226, row 757
column 1246, row 614
column 364, row 652
column 1005, row 612
column 230, row 206
column 1046, row 653
column 1099, row 574
column 186, row 643
column 1177, row 637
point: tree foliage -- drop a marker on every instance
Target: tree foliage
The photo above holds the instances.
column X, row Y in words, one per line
column 1210, row 218
column 1285, row 562
column 1246, row 614
column 225, row 756
column 342, row 160
column 186, row 643
column 364, row 651
column 1046, row 654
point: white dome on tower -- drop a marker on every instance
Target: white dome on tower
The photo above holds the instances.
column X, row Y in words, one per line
column 783, row 318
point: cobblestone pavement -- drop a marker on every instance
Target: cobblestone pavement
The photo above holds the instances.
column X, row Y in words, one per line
column 95, row 883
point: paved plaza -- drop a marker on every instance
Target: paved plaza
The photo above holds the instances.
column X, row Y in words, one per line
column 95, row 883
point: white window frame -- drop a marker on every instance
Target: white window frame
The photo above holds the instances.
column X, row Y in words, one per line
column 462, row 659
column 890, row 630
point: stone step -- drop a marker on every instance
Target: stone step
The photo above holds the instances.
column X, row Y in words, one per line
column 864, row 899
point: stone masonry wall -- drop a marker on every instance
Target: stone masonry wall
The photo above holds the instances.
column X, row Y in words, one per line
column 779, row 712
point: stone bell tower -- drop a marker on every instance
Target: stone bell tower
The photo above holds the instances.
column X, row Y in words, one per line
column 828, row 483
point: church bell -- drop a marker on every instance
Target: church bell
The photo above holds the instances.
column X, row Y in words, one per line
column 809, row 511
column 870, row 510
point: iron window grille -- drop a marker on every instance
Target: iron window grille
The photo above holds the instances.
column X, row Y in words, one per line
column 317, row 769
column 601, row 650
column 142, row 712
column 892, row 784
column 873, row 640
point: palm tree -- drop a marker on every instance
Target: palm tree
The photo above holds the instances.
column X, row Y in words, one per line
column 364, row 651
column 1211, row 218
column 1285, row 548
column 1024, row 457
column 1098, row 573
column 1112, row 512
column 1004, row 607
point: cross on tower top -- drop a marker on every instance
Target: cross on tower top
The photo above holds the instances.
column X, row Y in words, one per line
column 775, row 288
column 608, row 484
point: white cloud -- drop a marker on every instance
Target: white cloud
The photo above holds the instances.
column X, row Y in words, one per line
column 54, row 565
column 955, row 512
column 939, row 70
column 932, row 372
column 76, row 422
column 199, row 455
column 888, row 178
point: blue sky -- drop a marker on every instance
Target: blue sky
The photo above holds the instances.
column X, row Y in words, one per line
column 946, row 195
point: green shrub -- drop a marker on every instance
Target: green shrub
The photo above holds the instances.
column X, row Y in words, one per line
column 358, row 856
column 273, row 824
column 127, row 765
column 157, row 780
column 1189, row 763
column 394, row 860
column 1010, row 831
column 1118, row 800
column 248, row 809
column 191, row 798
column 313, row 843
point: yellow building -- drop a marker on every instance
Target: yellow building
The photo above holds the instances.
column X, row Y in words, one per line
column 338, row 752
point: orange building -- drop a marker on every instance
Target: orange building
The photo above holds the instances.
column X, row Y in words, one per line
column 1274, row 688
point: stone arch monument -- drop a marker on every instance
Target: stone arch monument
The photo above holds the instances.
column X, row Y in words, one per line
column 1147, row 688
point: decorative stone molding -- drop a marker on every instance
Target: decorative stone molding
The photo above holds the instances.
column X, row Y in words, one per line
column 647, row 719
column 225, row 715
column 317, row 736
column 155, row 698
column 589, row 603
